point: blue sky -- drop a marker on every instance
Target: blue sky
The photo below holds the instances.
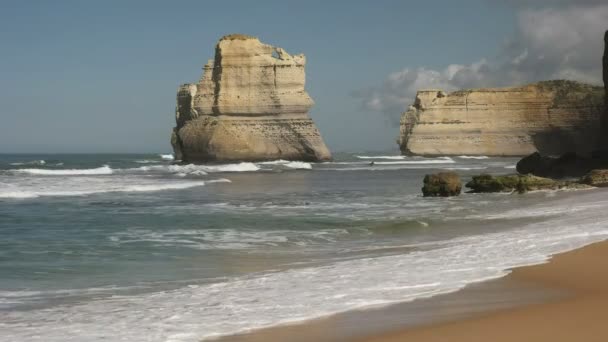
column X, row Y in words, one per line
column 101, row 76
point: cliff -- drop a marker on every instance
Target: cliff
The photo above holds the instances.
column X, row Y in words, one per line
column 250, row 104
column 605, row 76
column 551, row 117
column 605, row 66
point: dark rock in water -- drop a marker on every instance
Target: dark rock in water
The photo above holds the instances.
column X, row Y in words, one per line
column 568, row 165
column 443, row 184
column 598, row 178
column 519, row 183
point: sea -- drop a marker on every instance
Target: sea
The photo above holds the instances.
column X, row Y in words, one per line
column 117, row 247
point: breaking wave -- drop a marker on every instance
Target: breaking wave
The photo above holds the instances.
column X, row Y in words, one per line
column 22, row 194
column 104, row 170
column 473, row 157
column 33, row 162
column 381, row 157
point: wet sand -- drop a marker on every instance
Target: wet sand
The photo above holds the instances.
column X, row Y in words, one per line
column 563, row 300
column 581, row 315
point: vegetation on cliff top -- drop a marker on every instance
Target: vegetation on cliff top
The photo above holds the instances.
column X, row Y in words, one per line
column 237, row 36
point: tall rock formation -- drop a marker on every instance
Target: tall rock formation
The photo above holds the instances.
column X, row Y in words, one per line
column 605, row 65
column 605, row 76
column 250, row 104
column 551, row 117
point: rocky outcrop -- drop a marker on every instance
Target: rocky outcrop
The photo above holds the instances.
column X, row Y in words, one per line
column 603, row 141
column 605, row 67
column 551, row 117
column 518, row 183
column 250, row 104
column 597, row 178
column 442, row 184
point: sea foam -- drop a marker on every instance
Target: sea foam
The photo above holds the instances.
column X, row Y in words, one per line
column 206, row 311
column 104, row 170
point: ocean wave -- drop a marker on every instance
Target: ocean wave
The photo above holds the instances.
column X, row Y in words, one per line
column 213, row 239
column 440, row 160
column 104, row 170
column 299, row 165
column 205, row 311
column 473, row 157
column 33, row 162
column 381, row 157
column 146, row 161
column 83, row 189
column 166, row 156
column 289, row 164
column 200, row 169
column 467, row 168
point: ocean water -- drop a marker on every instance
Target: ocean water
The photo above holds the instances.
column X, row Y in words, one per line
column 137, row 248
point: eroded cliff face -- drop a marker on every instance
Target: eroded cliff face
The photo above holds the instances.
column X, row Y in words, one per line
column 250, row 104
column 605, row 76
column 605, row 65
column 551, row 117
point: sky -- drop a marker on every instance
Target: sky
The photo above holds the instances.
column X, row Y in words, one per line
column 101, row 76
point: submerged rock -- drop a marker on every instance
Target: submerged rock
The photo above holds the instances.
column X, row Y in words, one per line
column 597, row 178
column 443, row 184
column 250, row 104
column 519, row 183
column 552, row 117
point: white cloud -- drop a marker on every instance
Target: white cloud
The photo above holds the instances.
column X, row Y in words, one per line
column 562, row 40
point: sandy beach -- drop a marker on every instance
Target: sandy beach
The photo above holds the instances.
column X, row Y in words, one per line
column 579, row 316
column 565, row 299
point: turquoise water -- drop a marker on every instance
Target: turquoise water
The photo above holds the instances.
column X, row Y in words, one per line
column 134, row 247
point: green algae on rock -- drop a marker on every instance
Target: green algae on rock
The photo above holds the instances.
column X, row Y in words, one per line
column 443, row 184
column 518, row 183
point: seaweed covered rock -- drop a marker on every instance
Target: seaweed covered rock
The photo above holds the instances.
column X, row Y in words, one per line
column 568, row 165
column 519, row 183
column 598, row 178
column 443, row 184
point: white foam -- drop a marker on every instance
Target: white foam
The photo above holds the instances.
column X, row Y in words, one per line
column 440, row 160
column 467, row 168
column 473, row 157
column 104, row 170
column 299, row 165
column 166, row 156
column 81, row 186
column 381, row 157
column 274, row 162
column 205, row 311
column 33, row 162
column 199, row 169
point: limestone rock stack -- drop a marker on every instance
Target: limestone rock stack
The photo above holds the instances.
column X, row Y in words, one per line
column 551, row 117
column 605, row 76
column 605, row 64
column 250, row 104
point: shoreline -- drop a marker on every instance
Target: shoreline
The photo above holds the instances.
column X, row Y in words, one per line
column 524, row 305
column 577, row 316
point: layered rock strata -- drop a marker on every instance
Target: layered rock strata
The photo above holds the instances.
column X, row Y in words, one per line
column 250, row 104
column 551, row 117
